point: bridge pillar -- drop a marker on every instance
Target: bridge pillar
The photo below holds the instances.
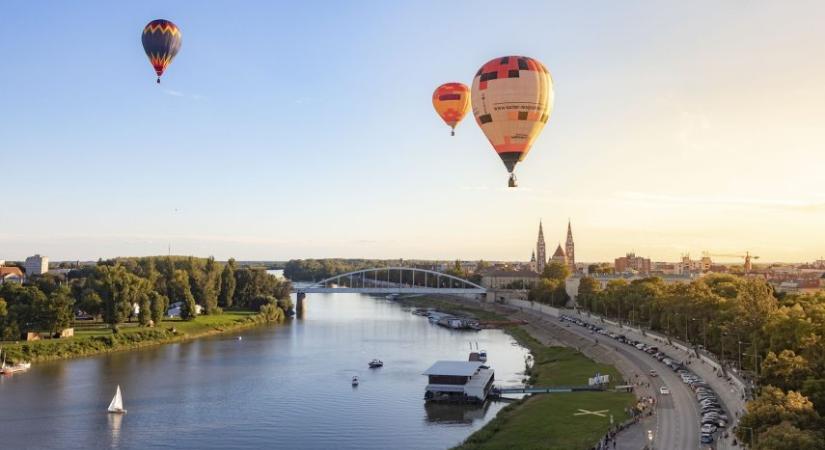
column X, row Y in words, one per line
column 299, row 303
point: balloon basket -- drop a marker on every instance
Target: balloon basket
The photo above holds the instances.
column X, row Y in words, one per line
column 512, row 182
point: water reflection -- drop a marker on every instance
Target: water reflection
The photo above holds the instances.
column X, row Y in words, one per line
column 450, row 413
column 114, row 421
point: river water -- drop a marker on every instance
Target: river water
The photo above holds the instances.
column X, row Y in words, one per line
column 283, row 386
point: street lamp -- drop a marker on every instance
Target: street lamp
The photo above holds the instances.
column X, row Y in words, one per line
column 753, row 442
column 740, row 355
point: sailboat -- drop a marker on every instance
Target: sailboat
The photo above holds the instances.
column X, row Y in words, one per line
column 116, row 407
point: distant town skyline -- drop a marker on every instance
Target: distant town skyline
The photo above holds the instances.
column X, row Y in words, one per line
column 674, row 131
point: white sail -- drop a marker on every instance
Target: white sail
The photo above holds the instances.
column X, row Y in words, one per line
column 117, row 402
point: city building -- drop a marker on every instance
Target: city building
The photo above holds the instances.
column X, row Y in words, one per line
column 11, row 275
column 559, row 256
column 36, row 265
column 632, row 263
column 495, row 278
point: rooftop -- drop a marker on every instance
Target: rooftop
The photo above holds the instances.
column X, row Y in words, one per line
column 454, row 368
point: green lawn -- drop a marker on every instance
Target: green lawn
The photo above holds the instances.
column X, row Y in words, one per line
column 547, row 421
column 95, row 338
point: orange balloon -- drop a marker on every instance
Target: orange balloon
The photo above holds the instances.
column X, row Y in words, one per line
column 452, row 101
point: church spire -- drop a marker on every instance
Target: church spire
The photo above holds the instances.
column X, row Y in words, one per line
column 541, row 255
column 570, row 248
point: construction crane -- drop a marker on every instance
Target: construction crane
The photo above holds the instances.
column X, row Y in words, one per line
column 747, row 256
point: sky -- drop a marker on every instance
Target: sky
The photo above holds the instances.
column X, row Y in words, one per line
column 306, row 130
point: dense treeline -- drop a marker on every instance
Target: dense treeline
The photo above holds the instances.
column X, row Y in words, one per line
column 781, row 338
column 112, row 288
column 319, row 269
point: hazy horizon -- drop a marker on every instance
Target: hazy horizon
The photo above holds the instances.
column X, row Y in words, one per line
column 301, row 131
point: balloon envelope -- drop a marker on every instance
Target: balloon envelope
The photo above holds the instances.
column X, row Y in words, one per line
column 512, row 100
column 452, row 101
column 161, row 42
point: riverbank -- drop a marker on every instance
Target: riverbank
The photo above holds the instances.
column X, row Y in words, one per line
column 96, row 341
column 552, row 421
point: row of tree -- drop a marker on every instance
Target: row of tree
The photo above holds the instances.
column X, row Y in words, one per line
column 779, row 338
column 111, row 290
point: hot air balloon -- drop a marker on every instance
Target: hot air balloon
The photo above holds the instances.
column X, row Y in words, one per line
column 452, row 101
column 161, row 42
column 512, row 100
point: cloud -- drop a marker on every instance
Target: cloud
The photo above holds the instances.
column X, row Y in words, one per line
column 175, row 93
column 811, row 205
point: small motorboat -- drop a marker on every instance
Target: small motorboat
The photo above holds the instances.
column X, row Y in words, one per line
column 376, row 363
column 482, row 355
column 116, row 406
column 355, row 381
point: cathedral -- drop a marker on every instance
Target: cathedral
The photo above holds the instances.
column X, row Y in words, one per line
column 566, row 255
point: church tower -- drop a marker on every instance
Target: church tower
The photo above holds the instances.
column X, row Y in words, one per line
column 541, row 255
column 570, row 248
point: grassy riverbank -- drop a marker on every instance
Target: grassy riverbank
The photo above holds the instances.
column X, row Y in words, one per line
column 99, row 339
column 546, row 421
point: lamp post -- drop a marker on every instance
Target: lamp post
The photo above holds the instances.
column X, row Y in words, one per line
column 739, row 366
column 753, row 442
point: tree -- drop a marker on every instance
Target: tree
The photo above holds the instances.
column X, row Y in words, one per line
column 183, row 293
column 211, row 287
column 814, row 389
column 55, row 312
column 588, row 290
column 785, row 436
column 90, row 302
column 556, row 271
column 227, row 294
column 786, row 370
column 772, row 407
column 158, row 303
column 119, row 290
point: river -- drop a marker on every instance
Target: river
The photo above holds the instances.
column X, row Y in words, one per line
column 282, row 386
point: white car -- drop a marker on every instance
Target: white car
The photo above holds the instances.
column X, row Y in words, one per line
column 664, row 390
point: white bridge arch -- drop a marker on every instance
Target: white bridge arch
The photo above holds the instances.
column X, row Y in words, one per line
column 394, row 280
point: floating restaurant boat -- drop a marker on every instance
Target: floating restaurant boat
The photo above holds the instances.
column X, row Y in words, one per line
column 459, row 381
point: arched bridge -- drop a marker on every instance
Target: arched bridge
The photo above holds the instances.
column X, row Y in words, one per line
column 394, row 280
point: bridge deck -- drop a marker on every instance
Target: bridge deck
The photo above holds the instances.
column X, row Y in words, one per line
column 389, row 290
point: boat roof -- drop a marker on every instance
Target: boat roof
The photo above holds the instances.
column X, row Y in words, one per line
column 454, row 368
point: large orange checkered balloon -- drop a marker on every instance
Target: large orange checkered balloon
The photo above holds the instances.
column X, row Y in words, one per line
column 512, row 100
column 452, row 101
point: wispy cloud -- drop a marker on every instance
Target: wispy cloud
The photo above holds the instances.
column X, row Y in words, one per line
column 810, row 205
column 175, row 93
